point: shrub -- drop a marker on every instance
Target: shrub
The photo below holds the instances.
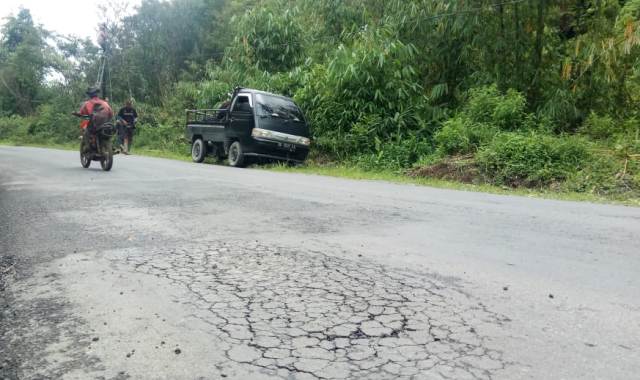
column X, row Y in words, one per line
column 561, row 109
column 488, row 105
column 600, row 127
column 162, row 137
column 604, row 175
column 47, row 125
column 460, row 135
column 394, row 156
column 370, row 85
column 205, row 94
column 486, row 112
column 14, row 127
column 52, row 125
column 533, row 159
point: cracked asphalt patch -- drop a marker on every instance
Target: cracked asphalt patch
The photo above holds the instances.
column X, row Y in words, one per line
column 313, row 315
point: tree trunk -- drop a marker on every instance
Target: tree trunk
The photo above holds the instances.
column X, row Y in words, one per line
column 502, row 59
column 537, row 65
column 518, row 59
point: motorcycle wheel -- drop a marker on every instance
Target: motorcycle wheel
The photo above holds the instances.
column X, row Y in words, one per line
column 85, row 161
column 107, row 157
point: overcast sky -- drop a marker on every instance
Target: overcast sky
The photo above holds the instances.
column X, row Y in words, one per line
column 77, row 17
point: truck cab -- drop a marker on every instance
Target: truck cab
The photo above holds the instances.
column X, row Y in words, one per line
column 256, row 125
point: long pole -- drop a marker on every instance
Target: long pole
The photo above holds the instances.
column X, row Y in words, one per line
column 103, row 41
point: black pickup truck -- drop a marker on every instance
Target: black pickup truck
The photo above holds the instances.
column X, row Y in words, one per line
column 256, row 125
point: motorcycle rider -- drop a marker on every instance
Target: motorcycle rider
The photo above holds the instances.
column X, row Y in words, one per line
column 99, row 111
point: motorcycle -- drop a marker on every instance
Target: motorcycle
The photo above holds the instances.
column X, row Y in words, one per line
column 100, row 147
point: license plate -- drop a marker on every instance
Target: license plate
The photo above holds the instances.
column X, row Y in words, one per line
column 287, row 146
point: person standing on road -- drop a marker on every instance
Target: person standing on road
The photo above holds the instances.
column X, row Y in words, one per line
column 127, row 117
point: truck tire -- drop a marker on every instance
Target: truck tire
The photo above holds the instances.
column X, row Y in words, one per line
column 236, row 155
column 198, row 150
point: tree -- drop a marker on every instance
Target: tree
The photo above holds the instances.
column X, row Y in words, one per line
column 22, row 64
column 158, row 44
column 268, row 37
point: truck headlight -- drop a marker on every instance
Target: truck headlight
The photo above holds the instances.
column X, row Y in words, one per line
column 304, row 141
column 258, row 132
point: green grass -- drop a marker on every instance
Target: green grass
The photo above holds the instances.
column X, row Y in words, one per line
column 344, row 171
column 351, row 172
column 160, row 154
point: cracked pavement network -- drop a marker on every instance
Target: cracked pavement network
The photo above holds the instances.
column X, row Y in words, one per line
column 321, row 317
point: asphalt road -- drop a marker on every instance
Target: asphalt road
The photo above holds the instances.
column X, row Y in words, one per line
column 172, row 270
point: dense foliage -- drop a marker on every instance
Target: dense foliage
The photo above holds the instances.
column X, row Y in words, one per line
column 530, row 92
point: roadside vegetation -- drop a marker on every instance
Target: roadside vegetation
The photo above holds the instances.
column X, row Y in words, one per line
column 534, row 95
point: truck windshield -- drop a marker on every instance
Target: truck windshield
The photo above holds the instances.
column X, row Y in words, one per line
column 273, row 106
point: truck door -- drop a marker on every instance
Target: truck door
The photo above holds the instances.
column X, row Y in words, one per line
column 241, row 120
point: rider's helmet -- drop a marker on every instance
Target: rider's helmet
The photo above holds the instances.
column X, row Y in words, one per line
column 93, row 91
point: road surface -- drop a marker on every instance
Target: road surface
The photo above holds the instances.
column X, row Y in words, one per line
column 171, row 270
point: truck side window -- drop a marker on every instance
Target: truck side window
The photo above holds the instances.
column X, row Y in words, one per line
column 242, row 104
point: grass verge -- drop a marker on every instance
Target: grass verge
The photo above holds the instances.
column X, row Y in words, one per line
column 343, row 171
column 351, row 172
column 161, row 154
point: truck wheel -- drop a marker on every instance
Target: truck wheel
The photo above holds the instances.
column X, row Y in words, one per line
column 236, row 155
column 198, row 151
